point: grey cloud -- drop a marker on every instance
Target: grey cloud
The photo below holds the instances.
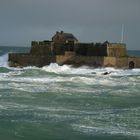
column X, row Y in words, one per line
column 90, row 20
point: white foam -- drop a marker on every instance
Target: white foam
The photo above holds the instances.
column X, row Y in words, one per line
column 84, row 70
column 4, row 60
column 67, row 69
column 91, row 130
column 55, row 68
column 5, row 76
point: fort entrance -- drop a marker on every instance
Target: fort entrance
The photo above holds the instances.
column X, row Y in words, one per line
column 131, row 65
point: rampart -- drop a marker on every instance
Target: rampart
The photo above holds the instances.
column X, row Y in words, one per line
column 65, row 49
column 23, row 60
column 98, row 61
column 116, row 50
column 41, row 48
column 91, row 49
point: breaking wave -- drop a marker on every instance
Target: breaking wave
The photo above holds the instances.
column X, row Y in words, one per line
column 4, row 60
column 82, row 103
column 83, row 100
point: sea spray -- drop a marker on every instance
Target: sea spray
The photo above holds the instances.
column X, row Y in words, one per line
column 82, row 103
column 4, row 60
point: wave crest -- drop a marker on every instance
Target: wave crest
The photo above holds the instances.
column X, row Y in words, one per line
column 4, row 60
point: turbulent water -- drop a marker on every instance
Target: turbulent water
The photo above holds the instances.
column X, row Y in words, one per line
column 65, row 103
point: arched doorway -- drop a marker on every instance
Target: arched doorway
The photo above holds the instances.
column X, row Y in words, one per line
column 131, row 65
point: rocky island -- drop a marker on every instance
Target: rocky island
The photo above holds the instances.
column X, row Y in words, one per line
column 64, row 48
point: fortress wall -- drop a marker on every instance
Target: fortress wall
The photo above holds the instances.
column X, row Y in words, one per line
column 23, row 60
column 81, row 48
column 41, row 48
column 137, row 65
column 64, row 49
column 67, row 58
column 116, row 50
column 136, row 61
column 91, row 49
column 110, row 61
column 97, row 51
column 80, row 60
column 122, row 62
column 95, row 61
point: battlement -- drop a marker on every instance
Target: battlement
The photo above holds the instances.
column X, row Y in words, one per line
column 37, row 43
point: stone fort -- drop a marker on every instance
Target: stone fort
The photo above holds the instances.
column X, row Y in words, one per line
column 64, row 48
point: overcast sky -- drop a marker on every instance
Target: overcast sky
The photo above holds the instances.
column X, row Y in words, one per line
column 22, row 21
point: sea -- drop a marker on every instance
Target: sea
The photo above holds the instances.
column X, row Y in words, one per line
column 66, row 103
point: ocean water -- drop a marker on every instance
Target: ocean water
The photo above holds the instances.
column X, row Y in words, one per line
column 65, row 103
column 134, row 53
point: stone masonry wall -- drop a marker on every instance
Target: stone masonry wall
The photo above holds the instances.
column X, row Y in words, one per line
column 135, row 60
column 22, row 60
column 116, row 50
column 122, row 62
column 109, row 61
column 75, row 60
column 41, row 48
column 91, row 49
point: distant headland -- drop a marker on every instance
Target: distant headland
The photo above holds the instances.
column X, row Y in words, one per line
column 64, row 48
